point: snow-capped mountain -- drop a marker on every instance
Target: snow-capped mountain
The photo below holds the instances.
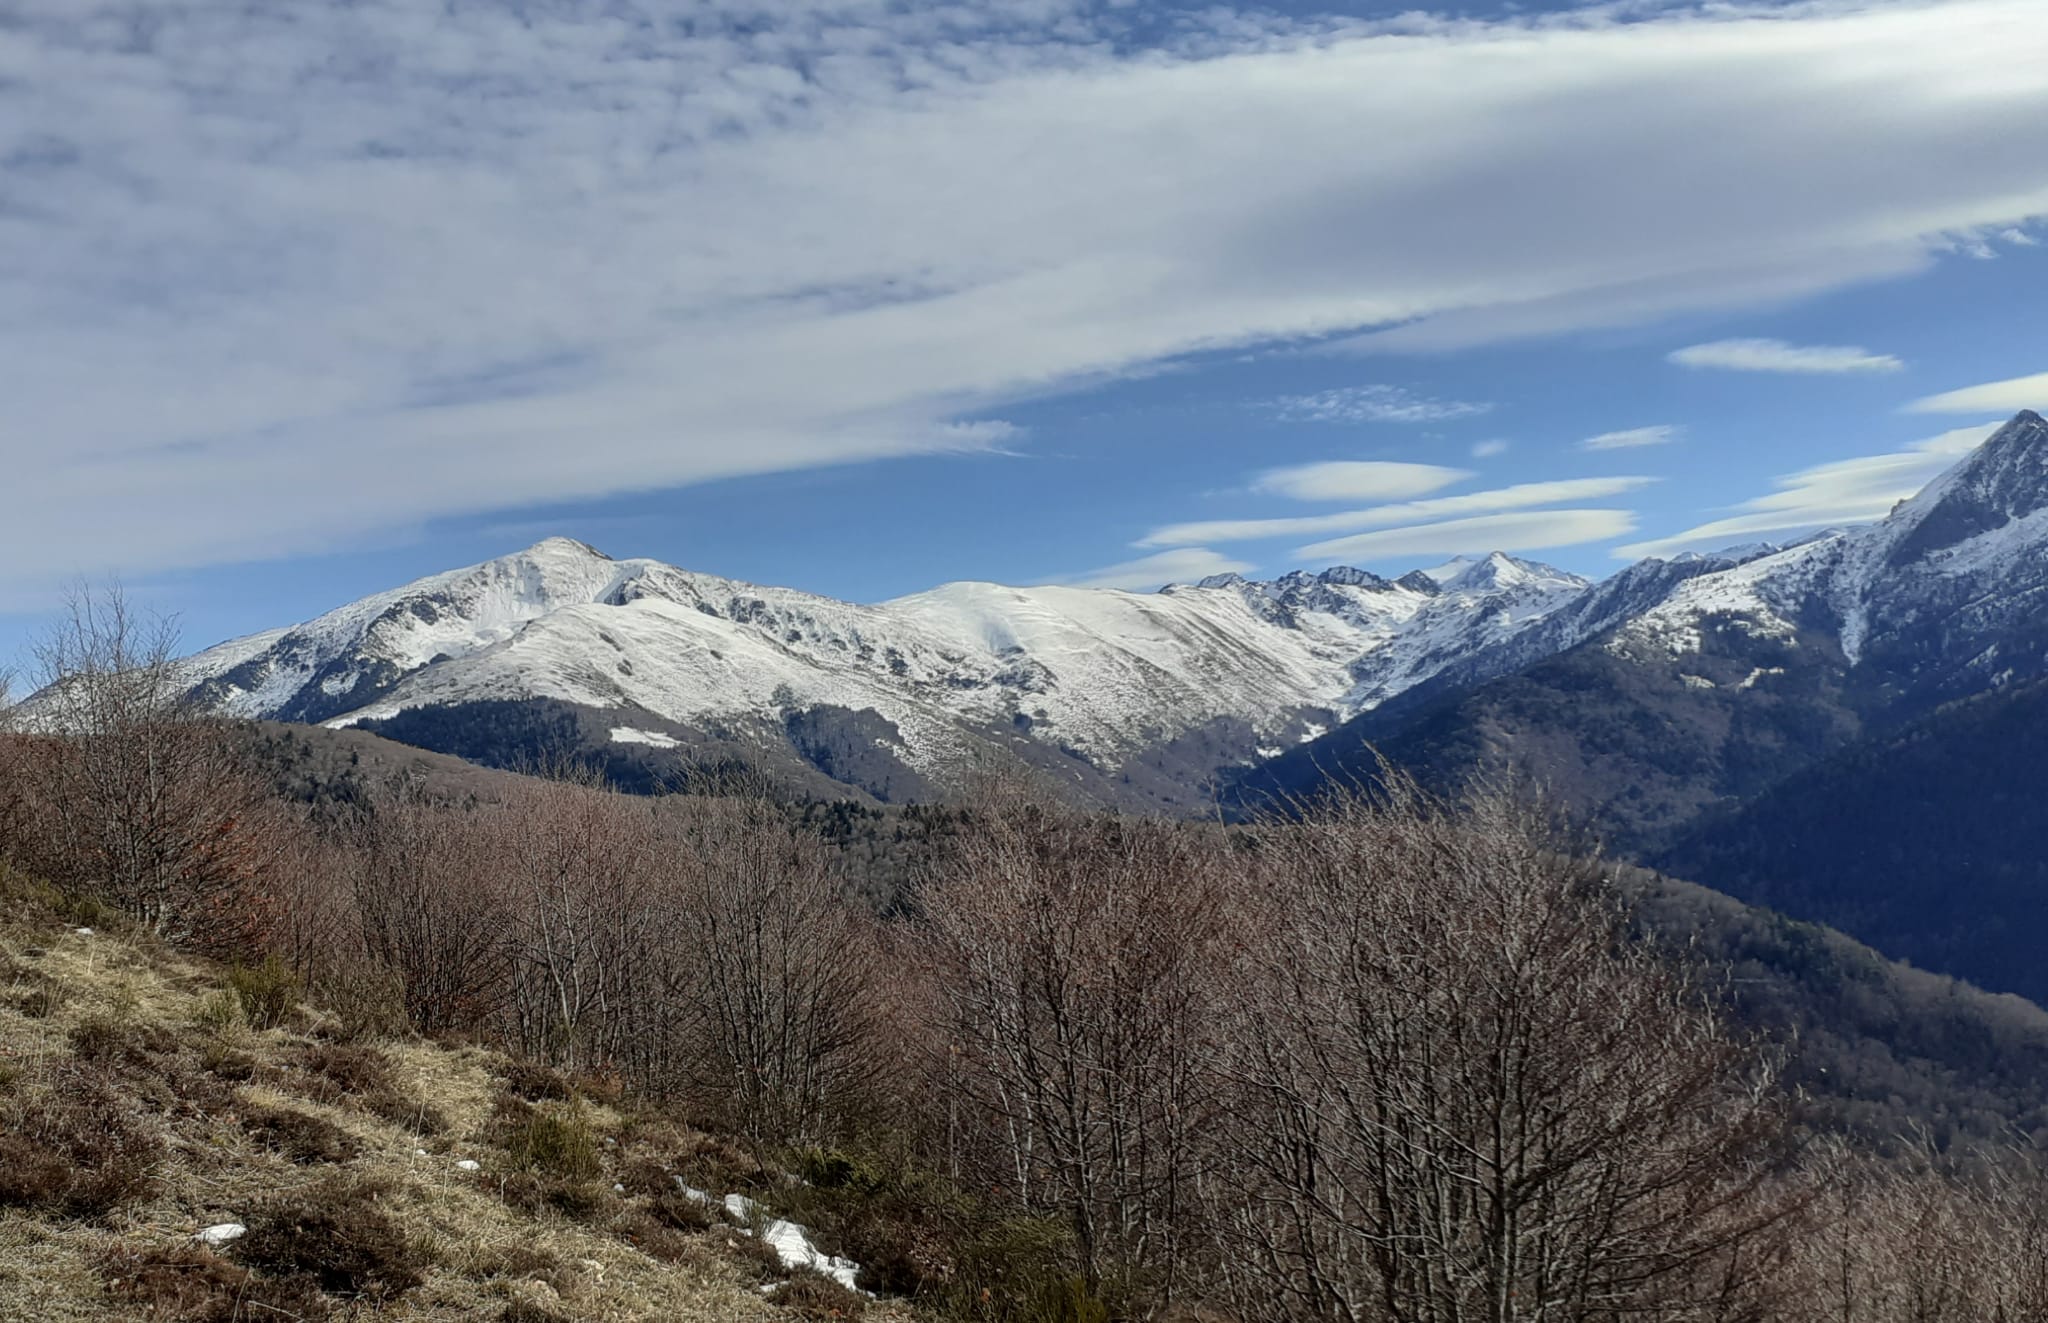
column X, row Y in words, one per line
column 1099, row 674
column 1678, row 686
column 1164, row 690
column 1942, row 598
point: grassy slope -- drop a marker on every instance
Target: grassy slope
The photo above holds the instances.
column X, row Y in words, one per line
column 211, row 1097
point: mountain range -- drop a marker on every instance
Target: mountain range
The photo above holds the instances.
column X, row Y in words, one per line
column 1677, row 686
column 1127, row 697
column 1699, row 713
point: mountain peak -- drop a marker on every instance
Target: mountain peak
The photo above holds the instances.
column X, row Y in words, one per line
column 2002, row 480
column 552, row 548
column 1351, row 576
column 1496, row 571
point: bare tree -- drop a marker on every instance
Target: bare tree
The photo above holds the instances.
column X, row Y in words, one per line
column 431, row 902
column 769, row 982
column 141, row 800
column 1925, row 1237
column 1464, row 1095
column 14, row 802
column 1077, row 962
column 578, row 869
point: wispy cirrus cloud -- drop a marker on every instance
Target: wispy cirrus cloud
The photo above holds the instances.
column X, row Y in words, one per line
column 1372, row 404
column 1537, row 530
column 1849, row 491
column 2010, row 396
column 496, row 254
column 1521, row 496
column 1489, row 449
column 1634, row 438
column 1780, row 356
column 1357, row 480
column 1185, row 565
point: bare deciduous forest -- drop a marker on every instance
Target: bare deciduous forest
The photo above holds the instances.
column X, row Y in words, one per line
column 1394, row 1060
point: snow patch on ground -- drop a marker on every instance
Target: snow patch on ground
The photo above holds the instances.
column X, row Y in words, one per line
column 791, row 1242
column 628, row 735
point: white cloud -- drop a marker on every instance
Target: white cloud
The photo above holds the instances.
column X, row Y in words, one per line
column 2011, row 396
column 1521, row 496
column 1778, row 356
column 278, row 275
column 1504, row 532
column 1489, row 449
column 1849, row 491
column 1357, row 480
column 1633, row 438
column 1372, row 404
column 1182, row 566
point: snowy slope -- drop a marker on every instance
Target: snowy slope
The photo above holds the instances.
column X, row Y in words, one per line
column 1101, row 671
column 1947, row 593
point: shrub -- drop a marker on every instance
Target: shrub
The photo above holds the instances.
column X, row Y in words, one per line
column 105, row 1040
column 268, row 992
column 900, row 1220
column 344, row 1071
column 836, row 1169
column 552, row 1142
column 31, row 1176
column 335, row 1234
column 219, row 1014
column 810, row 1294
column 533, row 1082
column 418, row 1117
column 40, row 1001
column 525, row 1311
column 76, row 1146
column 225, row 1063
column 338, row 1072
column 87, row 912
column 657, row 1240
column 1019, row 1271
column 644, row 1177
column 299, row 1136
column 577, row 1200
column 673, row 1208
column 365, row 1001
column 519, row 1261
column 711, row 1163
column 191, row 1284
column 755, row 1255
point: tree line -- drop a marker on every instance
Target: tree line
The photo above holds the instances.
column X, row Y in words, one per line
column 1393, row 1061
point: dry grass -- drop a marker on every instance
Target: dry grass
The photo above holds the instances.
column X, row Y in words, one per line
column 311, row 1143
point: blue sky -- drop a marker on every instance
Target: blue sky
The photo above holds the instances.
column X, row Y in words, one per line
column 299, row 302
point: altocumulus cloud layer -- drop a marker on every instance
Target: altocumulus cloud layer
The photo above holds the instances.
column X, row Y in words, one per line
column 253, row 253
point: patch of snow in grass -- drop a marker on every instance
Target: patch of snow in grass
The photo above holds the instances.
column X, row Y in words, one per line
column 791, row 1242
column 628, row 735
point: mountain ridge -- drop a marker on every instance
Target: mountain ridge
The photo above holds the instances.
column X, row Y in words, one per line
column 1680, row 686
column 948, row 677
